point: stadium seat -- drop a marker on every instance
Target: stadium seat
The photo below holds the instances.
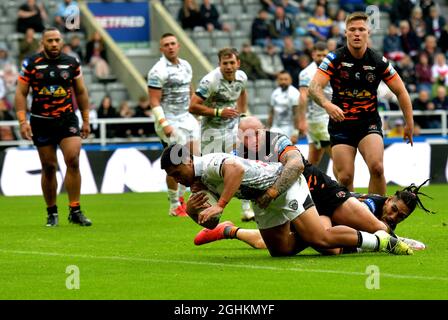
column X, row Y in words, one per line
column 251, row 92
column 10, row 9
column 14, row 41
column 230, row 20
column 212, row 56
column 234, row 8
column 117, row 91
column 238, row 38
column 221, row 39
column 252, row 8
column 203, row 40
column 7, row 25
column 97, row 92
column 264, row 90
column 245, row 22
column 259, row 108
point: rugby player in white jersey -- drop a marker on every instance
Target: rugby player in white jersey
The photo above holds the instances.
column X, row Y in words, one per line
column 313, row 119
column 284, row 102
column 221, row 99
column 169, row 88
column 227, row 176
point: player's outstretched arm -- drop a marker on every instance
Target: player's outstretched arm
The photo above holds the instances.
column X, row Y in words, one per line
column 232, row 173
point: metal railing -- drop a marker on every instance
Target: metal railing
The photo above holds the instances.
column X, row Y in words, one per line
column 103, row 140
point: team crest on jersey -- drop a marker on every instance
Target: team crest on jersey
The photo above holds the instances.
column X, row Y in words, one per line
column 293, row 204
column 65, row 74
column 370, row 77
column 345, row 75
column 39, row 75
column 340, row 194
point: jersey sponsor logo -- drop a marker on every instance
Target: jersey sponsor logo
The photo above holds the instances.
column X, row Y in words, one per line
column 65, row 74
column 368, row 68
column 43, row 66
column 153, row 83
column 346, row 64
column 370, row 77
column 324, row 64
column 58, row 92
column 63, row 66
column 293, row 204
column 45, row 92
column 371, row 204
column 355, row 93
column 55, row 91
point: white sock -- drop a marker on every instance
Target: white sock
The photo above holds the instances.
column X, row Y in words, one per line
column 245, row 204
column 174, row 198
column 369, row 242
column 181, row 190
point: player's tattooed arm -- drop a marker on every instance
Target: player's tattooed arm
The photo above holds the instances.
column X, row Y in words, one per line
column 292, row 168
column 317, row 93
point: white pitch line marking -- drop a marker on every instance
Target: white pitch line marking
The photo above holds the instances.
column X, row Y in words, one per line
column 243, row 266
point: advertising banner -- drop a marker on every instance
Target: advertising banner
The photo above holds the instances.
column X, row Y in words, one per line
column 128, row 23
column 135, row 170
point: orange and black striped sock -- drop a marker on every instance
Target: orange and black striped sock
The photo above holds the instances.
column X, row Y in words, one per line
column 230, row 232
column 74, row 206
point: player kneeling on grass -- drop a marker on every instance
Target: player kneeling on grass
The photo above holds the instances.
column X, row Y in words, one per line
column 391, row 210
column 228, row 176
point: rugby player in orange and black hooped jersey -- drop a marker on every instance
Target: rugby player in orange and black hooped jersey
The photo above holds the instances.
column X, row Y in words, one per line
column 355, row 72
column 56, row 81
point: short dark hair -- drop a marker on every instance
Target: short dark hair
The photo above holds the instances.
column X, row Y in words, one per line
column 166, row 35
column 410, row 197
column 320, row 46
column 174, row 155
column 225, row 52
column 49, row 29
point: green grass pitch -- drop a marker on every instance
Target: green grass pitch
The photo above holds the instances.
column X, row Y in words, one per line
column 134, row 250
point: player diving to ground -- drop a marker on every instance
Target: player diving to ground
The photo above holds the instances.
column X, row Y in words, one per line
column 227, row 176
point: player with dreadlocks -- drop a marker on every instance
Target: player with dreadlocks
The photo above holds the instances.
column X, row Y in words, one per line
column 394, row 209
column 389, row 209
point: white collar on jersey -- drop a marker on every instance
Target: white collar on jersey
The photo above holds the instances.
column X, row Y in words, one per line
column 168, row 62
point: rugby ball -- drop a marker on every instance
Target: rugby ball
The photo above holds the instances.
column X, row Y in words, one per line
column 212, row 200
